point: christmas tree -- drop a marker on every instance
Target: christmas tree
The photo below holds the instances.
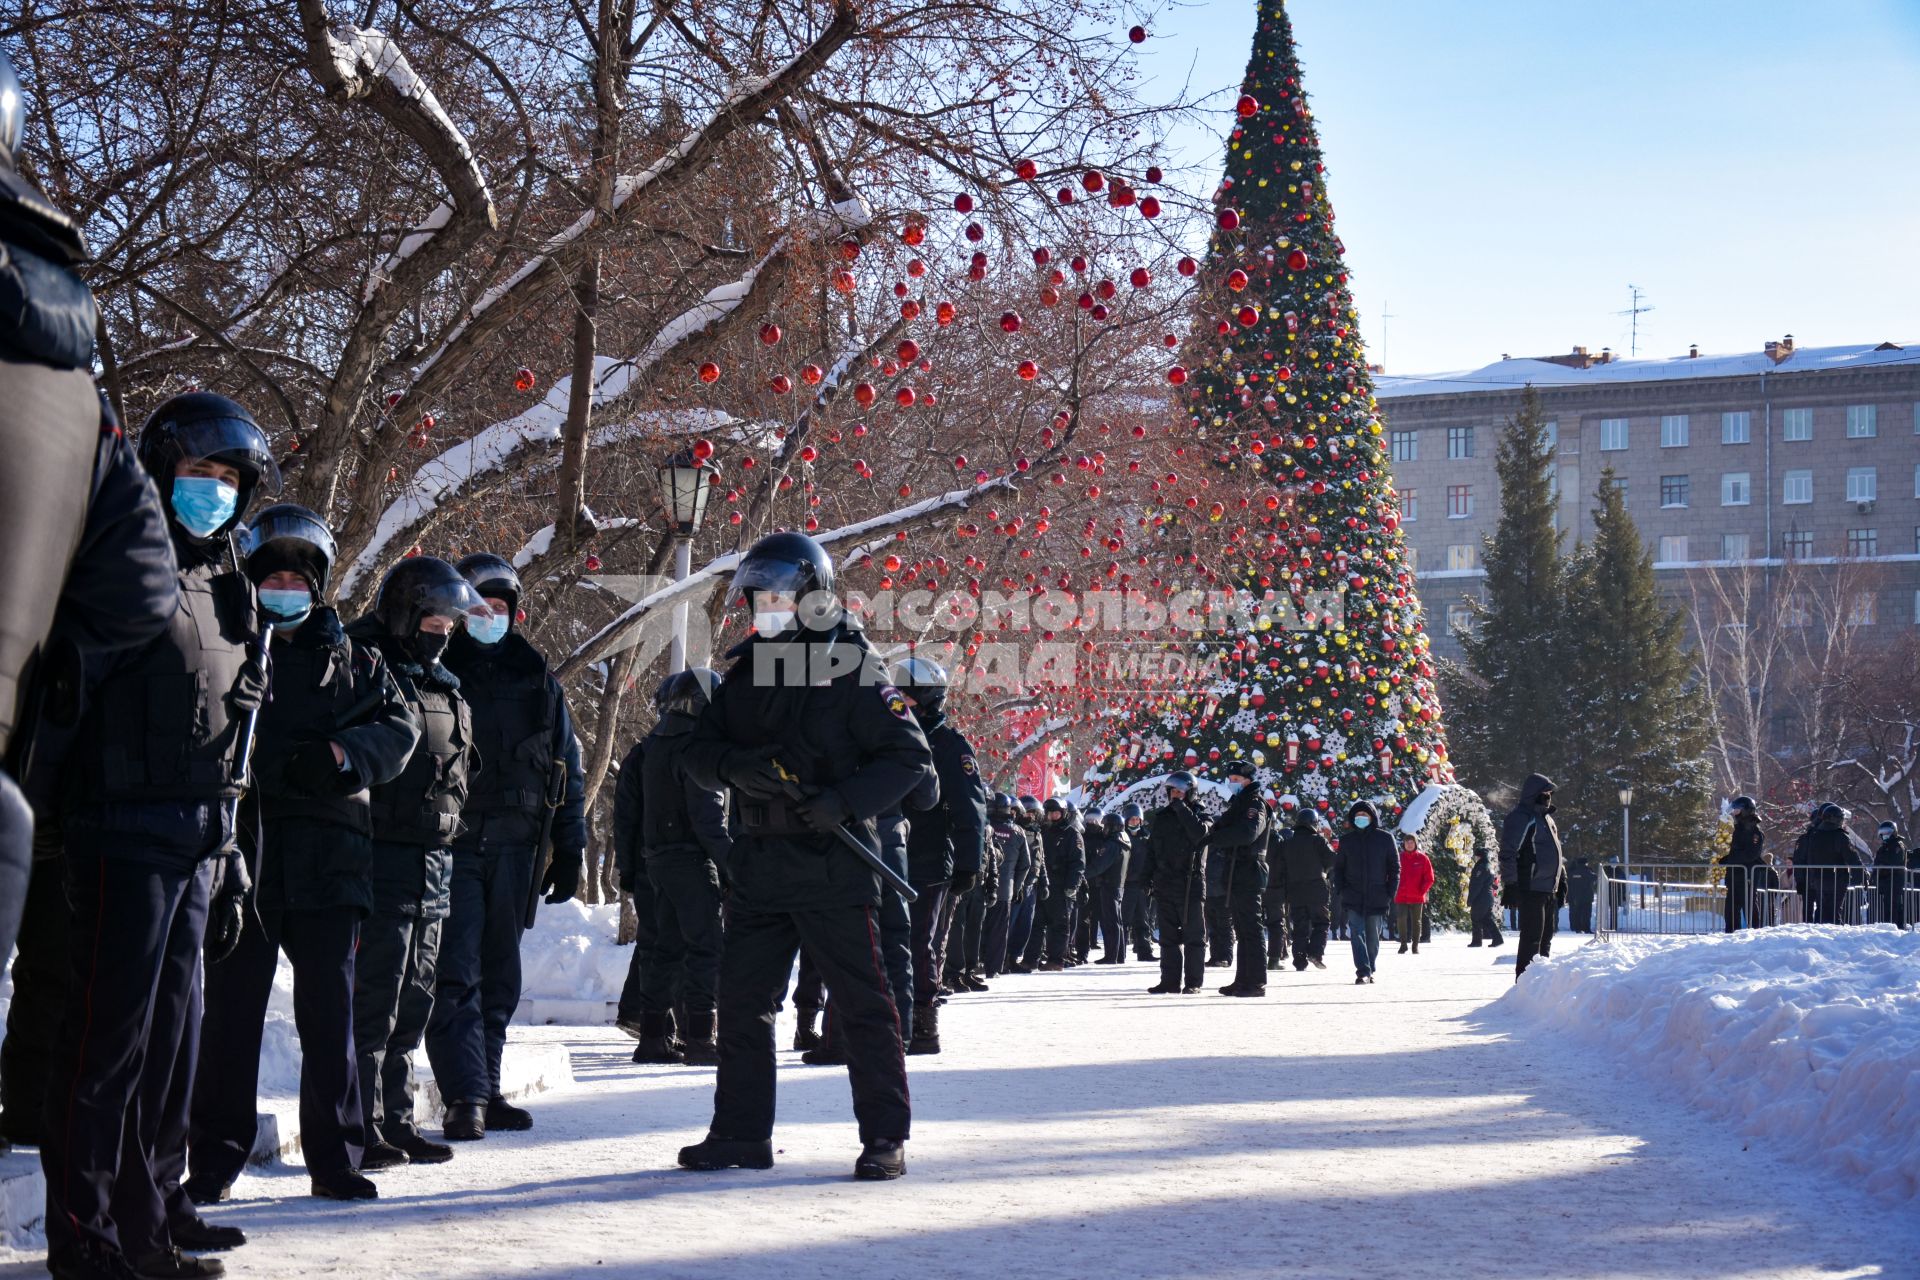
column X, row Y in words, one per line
column 1326, row 684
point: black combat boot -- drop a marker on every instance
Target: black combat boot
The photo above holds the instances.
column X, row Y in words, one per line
column 805, row 1036
column 699, row 1049
column 343, row 1185
column 384, row 1155
column 465, row 1122
column 926, row 1029
column 201, row 1236
column 974, row 981
column 171, row 1264
column 880, row 1161
column 1249, row 992
column 727, row 1153
column 416, row 1146
column 656, row 1041
column 205, row 1190
column 829, row 1054
column 503, row 1115
column 1162, row 989
column 89, row 1260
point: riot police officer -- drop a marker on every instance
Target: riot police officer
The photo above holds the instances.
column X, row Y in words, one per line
column 684, row 847
column 945, row 844
column 1107, row 874
column 1027, row 928
column 335, row 726
column 416, row 818
column 151, row 859
column 1240, row 841
column 1064, row 848
column 1016, row 871
column 816, row 745
column 1137, row 905
column 1178, row 846
column 529, row 791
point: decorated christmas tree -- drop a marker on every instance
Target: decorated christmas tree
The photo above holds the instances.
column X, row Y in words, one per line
column 1325, row 680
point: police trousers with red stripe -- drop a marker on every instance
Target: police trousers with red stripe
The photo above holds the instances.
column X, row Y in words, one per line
column 755, row 964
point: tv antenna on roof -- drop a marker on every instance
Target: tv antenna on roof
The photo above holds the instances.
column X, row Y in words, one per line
column 1635, row 311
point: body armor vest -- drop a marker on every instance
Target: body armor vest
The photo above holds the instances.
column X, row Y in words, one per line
column 422, row 806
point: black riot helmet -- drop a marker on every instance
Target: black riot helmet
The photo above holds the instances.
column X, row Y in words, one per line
column 492, row 576
column 201, row 424
column 423, row 587
column 13, row 107
column 1112, row 823
column 1000, row 807
column 1742, row 804
column 923, row 680
column 1054, row 808
column 1132, row 812
column 1030, row 809
column 686, row 692
column 794, row 564
column 1180, row 780
column 288, row 537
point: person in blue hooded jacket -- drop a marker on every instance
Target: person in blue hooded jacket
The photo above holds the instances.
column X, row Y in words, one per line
column 1366, row 875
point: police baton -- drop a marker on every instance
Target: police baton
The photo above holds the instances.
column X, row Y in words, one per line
column 893, row 878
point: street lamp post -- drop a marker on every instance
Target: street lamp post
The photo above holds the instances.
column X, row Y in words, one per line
column 686, row 482
column 1626, row 839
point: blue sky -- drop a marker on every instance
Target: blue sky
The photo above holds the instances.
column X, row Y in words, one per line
column 1503, row 170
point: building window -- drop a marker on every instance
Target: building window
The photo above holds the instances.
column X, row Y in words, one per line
column 1794, row 611
column 1863, row 542
column 1673, row 431
column 1674, row 490
column 1673, row 548
column 1797, row 544
column 1409, row 505
column 1459, row 442
column 1860, row 610
column 1863, row 421
column 1736, row 489
column 1863, row 484
column 1736, row 428
column 1551, row 429
column 1406, row 446
column 1459, row 618
column 1734, row 546
column 1796, row 424
column 1796, row 487
column 1916, row 606
column 1460, row 555
column 1613, row 435
column 1410, row 556
column 1459, row 501
column 1553, row 480
column 1916, row 479
column 1620, row 487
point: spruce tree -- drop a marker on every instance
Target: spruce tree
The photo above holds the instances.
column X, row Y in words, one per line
column 1504, row 703
column 1332, row 704
column 1634, row 715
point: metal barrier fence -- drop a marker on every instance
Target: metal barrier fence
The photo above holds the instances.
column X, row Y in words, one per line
column 1694, row 898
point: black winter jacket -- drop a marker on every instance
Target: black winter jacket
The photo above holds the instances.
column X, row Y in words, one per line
column 948, row 837
column 1366, row 867
column 523, row 729
column 1177, row 844
column 660, row 811
column 1530, row 856
column 1239, row 836
column 1306, row 862
column 1480, row 888
column 1108, row 862
column 1064, row 846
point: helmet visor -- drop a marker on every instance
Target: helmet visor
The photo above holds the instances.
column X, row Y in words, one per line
column 281, row 525
column 782, row 576
column 455, row 600
column 234, row 441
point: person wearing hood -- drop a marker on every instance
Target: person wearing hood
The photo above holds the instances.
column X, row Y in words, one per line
column 1305, row 862
column 1107, row 873
column 1177, row 846
column 528, row 794
column 1137, row 906
column 416, row 817
column 1827, row 865
column 679, row 829
column 1366, row 876
column 1745, row 847
column 1532, row 867
column 1240, row 841
column 1890, row 877
column 155, row 870
column 1481, row 898
column 1015, row 859
column 816, row 745
column 1063, row 844
column 336, row 725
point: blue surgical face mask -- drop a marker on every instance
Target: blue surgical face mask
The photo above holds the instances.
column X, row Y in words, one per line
column 489, row 630
column 1362, row 821
column 1235, row 788
column 286, row 609
column 202, row 504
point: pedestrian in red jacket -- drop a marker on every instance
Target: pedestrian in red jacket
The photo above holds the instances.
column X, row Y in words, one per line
column 1416, row 879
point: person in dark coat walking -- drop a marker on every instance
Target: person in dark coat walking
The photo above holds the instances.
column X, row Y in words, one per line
column 1239, row 839
column 1745, row 850
column 154, row 866
column 1890, row 878
column 1532, row 868
column 680, row 829
column 1063, row 846
column 1177, row 850
column 1583, row 884
column 1366, row 875
column 1137, row 902
column 1482, row 895
column 416, row 818
column 1306, row 860
column 335, row 726
column 1107, row 874
column 816, row 745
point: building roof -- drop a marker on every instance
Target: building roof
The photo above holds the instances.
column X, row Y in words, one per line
column 1511, row 375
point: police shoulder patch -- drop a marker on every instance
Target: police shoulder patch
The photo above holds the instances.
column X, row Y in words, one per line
column 896, row 701
column 967, row 765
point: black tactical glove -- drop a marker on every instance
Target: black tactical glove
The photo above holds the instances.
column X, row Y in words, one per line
column 311, row 768
column 1509, row 895
column 226, row 921
column 562, row 879
column 825, row 810
column 752, row 770
column 963, row 881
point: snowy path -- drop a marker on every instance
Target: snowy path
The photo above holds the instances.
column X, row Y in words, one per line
column 1076, row 1126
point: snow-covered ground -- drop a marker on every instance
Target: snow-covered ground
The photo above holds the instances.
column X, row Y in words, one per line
column 1076, row 1126
column 1803, row 1037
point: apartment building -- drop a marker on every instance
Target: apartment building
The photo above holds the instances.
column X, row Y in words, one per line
column 1783, row 454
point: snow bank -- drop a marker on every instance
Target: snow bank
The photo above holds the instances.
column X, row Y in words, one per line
column 569, row 958
column 1806, row 1036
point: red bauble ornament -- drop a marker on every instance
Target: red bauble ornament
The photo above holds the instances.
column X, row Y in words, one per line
column 1140, row 278
column 770, row 334
column 1010, row 321
column 780, row 385
column 1149, row 207
column 709, row 372
column 1297, row 261
column 1028, row 370
column 1236, row 280
column 908, row 351
column 864, row 394
column 1093, row 180
column 1247, row 106
column 811, row 375
column 1229, row 220
column 963, row 203
column 1187, row 266
column 702, row 450
column 523, row 380
column 1027, row 170
column 904, row 397
column 1177, row 375
column 1136, row 34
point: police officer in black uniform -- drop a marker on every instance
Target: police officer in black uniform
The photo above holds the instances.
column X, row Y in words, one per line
column 1064, row 848
column 1178, row 844
column 816, row 745
column 1027, row 931
column 416, row 817
column 945, row 844
column 1107, row 873
column 1137, row 905
column 1016, row 873
column 529, row 791
column 85, row 551
column 684, row 846
column 335, row 726
column 151, row 858
column 1240, row 840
